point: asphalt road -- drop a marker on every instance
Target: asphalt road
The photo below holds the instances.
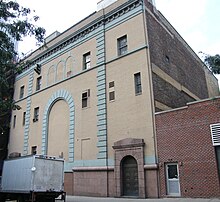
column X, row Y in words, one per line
column 95, row 199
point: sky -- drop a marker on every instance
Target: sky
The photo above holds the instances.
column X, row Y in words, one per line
column 197, row 21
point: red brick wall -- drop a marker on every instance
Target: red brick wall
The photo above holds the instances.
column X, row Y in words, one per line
column 181, row 66
column 183, row 136
column 68, row 183
column 90, row 183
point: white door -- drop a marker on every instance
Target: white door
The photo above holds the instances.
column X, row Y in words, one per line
column 172, row 177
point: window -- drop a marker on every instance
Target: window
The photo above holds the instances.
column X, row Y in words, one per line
column 38, row 83
column 85, row 97
column 21, row 92
column 111, row 84
column 112, row 96
column 111, row 91
column 14, row 121
column 86, row 61
column 24, row 115
column 122, row 45
column 36, row 114
column 167, row 59
column 34, row 150
column 137, row 83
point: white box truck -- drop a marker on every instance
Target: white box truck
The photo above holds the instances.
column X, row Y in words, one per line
column 33, row 178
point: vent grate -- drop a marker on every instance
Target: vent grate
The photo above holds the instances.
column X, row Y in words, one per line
column 215, row 133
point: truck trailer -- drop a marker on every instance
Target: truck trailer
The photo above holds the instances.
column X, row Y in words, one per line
column 34, row 178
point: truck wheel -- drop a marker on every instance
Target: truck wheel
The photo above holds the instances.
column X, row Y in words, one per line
column 20, row 199
column 2, row 198
column 50, row 200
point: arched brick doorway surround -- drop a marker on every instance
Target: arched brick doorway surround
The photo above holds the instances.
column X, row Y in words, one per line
column 129, row 147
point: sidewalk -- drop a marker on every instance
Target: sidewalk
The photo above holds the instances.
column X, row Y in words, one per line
column 95, row 199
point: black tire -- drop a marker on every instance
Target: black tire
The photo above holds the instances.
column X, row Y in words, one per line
column 20, row 198
column 2, row 198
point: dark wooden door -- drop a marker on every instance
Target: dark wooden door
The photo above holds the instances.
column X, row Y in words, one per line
column 130, row 177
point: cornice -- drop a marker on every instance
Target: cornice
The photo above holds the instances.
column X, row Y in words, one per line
column 83, row 32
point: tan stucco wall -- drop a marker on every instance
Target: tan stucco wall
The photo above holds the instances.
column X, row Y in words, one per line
column 16, row 138
column 128, row 115
column 85, row 121
column 134, row 40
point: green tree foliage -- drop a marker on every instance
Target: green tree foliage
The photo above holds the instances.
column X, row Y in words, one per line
column 213, row 62
column 16, row 22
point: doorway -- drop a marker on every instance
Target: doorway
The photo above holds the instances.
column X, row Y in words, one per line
column 130, row 176
column 172, row 179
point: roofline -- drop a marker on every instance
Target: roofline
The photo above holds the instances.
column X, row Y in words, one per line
column 187, row 105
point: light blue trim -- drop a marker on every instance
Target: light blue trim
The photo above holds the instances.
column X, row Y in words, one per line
column 102, row 138
column 101, row 87
column 97, row 163
column 101, row 144
column 101, row 106
column 101, row 95
column 136, row 11
column 101, row 102
column 102, row 127
column 101, row 117
column 149, row 160
column 89, row 163
column 123, row 13
column 28, row 114
column 103, row 149
column 59, row 95
column 102, row 155
column 100, row 78
column 101, row 112
column 102, row 122
column 111, row 162
column 102, row 133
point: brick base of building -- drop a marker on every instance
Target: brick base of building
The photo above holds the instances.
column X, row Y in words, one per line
column 101, row 183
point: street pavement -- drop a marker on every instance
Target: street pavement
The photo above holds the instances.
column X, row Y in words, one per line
column 95, row 199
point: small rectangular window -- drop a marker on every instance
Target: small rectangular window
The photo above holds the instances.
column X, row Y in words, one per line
column 122, row 45
column 137, row 83
column 38, row 83
column 24, row 115
column 36, row 114
column 86, row 61
column 112, row 96
column 34, row 150
column 14, row 121
column 111, row 84
column 85, row 98
column 21, row 92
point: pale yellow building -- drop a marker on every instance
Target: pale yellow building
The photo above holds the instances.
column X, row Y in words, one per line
column 90, row 96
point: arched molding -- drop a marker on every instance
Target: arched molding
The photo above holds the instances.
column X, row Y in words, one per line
column 59, row 95
column 69, row 69
column 51, row 71
column 60, row 73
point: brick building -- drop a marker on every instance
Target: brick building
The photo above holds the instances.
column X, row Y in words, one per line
column 189, row 161
column 91, row 94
